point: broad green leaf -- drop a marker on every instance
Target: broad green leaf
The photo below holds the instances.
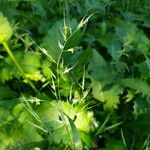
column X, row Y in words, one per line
column 110, row 101
column 124, row 28
column 5, row 29
column 111, row 42
column 20, row 137
column 141, row 106
column 5, row 116
column 6, row 93
column 138, row 85
column 85, row 138
column 61, row 36
column 10, row 103
column 144, row 70
column 52, row 40
column 46, row 69
column 30, row 62
column 97, row 91
column 114, row 144
column 141, row 124
column 74, row 36
column 31, row 133
column 74, row 40
column 6, row 73
column 98, row 67
column 109, row 98
column 143, row 43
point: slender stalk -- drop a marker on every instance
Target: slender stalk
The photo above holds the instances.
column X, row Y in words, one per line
column 57, row 70
column 67, row 9
column 123, row 139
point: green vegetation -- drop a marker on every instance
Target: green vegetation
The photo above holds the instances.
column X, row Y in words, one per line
column 74, row 75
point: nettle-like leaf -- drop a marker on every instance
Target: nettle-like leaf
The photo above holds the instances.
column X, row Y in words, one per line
column 125, row 30
column 98, row 67
column 111, row 42
column 125, row 33
column 143, row 43
column 141, row 103
column 109, row 98
column 141, row 106
column 140, row 86
column 144, row 69
column 75, row 35
column 6, row 73
column 30, row 63
column 5, row 29
column 59, row 34
column 46, row 69
column 52, row 40
column 94, row 6
column 8, row 70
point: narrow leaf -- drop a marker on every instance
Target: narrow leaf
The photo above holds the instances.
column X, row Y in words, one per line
column 76, row 138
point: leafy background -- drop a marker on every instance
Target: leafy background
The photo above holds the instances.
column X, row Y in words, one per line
column 75, row 74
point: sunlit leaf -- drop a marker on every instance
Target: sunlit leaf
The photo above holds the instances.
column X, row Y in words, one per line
column 5, row 29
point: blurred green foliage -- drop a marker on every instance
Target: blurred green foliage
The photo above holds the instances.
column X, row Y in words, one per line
column 89, row 61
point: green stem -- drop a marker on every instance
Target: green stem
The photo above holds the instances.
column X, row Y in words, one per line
column 67, row 9
column 17, row 65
